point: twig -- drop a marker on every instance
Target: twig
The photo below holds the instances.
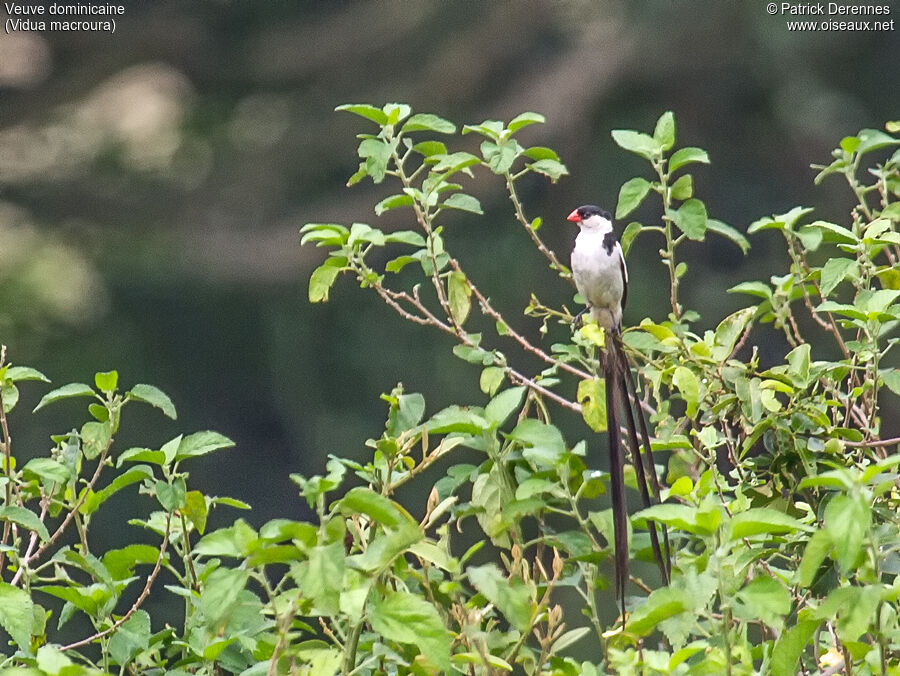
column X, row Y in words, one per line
column 873, row 442
column 7, row 462
column 140, row 599
column 428, row 318
column 32, row 541
column 489, row 310
column 100, row 463
column 520, row 216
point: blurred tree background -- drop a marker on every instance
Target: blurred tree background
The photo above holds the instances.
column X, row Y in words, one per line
column 152, row 183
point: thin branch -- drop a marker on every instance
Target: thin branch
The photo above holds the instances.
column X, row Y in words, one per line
column 45, row 504
column 140, row 599
column 873, row 443
column 71, row 515
column 7, row 461
column 428, row 318
column 563, row 271
column 489, row 310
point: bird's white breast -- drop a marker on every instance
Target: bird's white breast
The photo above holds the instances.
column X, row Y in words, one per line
column 598, row 275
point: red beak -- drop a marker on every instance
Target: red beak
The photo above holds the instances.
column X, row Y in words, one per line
column 574, row 217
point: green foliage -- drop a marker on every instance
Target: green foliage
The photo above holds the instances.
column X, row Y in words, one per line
column 780, row 495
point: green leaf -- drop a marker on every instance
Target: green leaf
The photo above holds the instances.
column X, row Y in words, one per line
column 874, row 139
column 891, row 379
column 201, row 443
column 428, row 122
column 841, row 309
column 380, row 509
column 121, row 562
column 50, row 661
column 834, row 272
column 405, row 237
column 234, row 541
column 133, row 475
column 220, row 594
column 406, row 412
column 463, row 202
column 631, row 194
column 410, row 619
column 17, row 373
column 683, row 188
column 632, row 230
column 377, row 155
column 48, row 470
column 459, row 296
column 365, row 110
column 540, row 153
column 106, row 382
column 429, row 148
column 833, row 233
column 503, row 405
column 798, row 361
column 790, row 646
column 759, row 289
column 691, row 219
column 491, row 379
column 141, row 455
column 456, row 419
column 592, row 397
column 544, row 444
column 25, row 518
column 322, row 279
column 660, row 605
column 154, row 396
column 491, row 129
column 454, row 162
column 729, row 232
column 386, row 547
column 510, row 595
column 10, row 395
column 95, row 437
column 393, row 202
column 682, row 517
column 326, row 234
column 759, row 520
column 766, row 599
column 637, row 142
column 17, row 615
column 784, row 221
column 524, row 120
column 362, row 232
column 396, row 112
column 817, row 549
column 847, row 520
column 858, row 612
column 687, row 384
column 552, row 169
column 321, row 576
column 171, row 496
column 65, row 392
column 500, row 156
column 664, row 133
column 684, row 156
column 131, row 638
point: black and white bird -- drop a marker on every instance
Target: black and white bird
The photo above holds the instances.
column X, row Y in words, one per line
column 601, row 277
column 598, row 266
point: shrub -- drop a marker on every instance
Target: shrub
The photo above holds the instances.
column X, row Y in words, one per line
column 781, row 495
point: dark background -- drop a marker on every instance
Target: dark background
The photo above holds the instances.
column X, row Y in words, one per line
column 152, row 183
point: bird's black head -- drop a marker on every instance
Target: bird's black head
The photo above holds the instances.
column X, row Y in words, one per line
column 584, row 212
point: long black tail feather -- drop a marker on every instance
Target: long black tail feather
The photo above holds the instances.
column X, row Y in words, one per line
column 665, row 560
column 617, row 480
column 641, row 471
